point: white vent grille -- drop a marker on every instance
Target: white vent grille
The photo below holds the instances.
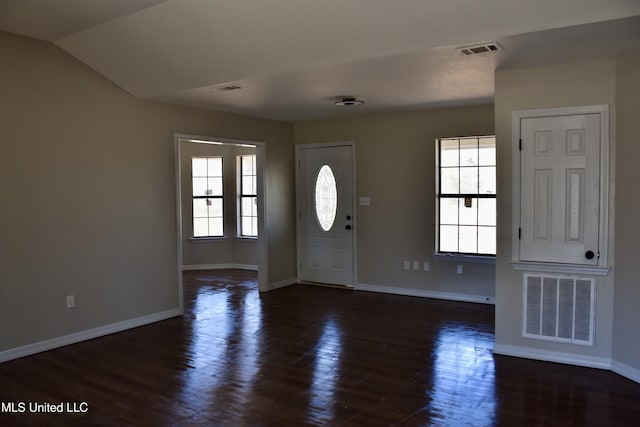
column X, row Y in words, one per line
column 558, row 308
column 479, row 49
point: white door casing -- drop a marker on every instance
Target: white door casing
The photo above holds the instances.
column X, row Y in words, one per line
column 263, row 253
column 326, row 241
column 560, row 202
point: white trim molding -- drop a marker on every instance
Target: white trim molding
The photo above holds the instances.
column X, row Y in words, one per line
column 425, row 293
column 220, row 267
column 474, row 259
column 546, row 267
column 282, row 283
column 553, row 356
column 626, row 371
column 569, row 359
column 262, row 242
column 85, row 335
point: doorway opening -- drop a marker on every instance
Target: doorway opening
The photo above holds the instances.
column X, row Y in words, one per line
column 220, row 206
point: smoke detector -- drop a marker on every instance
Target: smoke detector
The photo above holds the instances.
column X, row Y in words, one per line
column 349, row 101
column 479, row 49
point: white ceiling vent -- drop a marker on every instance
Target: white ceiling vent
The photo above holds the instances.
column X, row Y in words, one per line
column 479, row 49
column 229, row 88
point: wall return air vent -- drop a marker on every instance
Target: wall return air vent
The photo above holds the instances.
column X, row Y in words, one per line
column 559, row 308
column 479, row 49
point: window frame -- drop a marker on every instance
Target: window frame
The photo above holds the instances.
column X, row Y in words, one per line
column 247, row 195
column 476, row 256
column 220, row 196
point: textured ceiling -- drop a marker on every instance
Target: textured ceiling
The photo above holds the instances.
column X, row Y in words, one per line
column 292, row 58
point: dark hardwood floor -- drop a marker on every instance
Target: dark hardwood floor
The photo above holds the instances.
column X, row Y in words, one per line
column 304, row 356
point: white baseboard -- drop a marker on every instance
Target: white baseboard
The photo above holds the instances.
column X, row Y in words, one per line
column 425, row 293
column 282, row 283
column 553, row 356
column 88, row 334
column 626, row 371
column 219, row 267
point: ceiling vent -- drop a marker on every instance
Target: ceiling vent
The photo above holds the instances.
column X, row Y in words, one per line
column 479, row 49
column 349, row 101
column 229, row 88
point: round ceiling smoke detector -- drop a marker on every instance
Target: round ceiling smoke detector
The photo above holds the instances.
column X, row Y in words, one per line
column 349, row 101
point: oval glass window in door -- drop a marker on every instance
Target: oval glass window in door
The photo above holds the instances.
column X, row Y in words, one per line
column 326, row 198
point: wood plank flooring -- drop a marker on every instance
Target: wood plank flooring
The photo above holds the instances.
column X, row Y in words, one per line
column 309, row 356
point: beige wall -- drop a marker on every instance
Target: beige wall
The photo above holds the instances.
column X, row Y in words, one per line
column 87, row 184
column 231, row 249
column 564, row 85
column 395, row 167
column 626, row 345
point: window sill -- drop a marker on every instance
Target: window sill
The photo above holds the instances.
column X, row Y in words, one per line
column 548, row 267
column 207, row 239
column 246, row 237
column 478, row 259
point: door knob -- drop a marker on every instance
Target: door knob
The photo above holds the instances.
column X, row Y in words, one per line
column 348, row 227
column 589, row 255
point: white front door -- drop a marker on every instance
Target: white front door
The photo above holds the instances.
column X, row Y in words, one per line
column 326, row 223
column 560, row 194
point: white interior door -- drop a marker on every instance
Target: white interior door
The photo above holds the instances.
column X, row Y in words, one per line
column 560, row 194
column 326, row 223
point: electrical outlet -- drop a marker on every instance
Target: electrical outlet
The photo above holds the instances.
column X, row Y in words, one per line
column 406, row 265
column 71, row 301
column 459, row 269
column 425, row 266
column 416, row 265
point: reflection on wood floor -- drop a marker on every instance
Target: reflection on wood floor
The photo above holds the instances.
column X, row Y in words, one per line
column 307, row 355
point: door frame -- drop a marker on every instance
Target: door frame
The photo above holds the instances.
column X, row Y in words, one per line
column 299, row 148
column 602, row 268
column 263, row 264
